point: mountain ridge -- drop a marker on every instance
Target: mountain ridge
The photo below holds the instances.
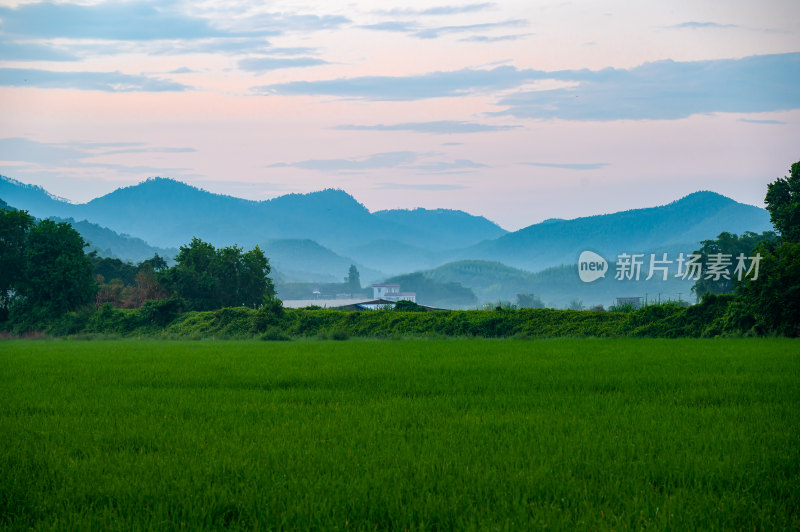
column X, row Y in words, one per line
column 685, row 221
column 167, row 213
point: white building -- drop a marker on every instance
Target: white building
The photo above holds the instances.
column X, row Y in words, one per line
column 391, row 292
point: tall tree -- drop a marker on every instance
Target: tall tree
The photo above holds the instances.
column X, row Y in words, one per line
column 783, row 204
column 14, row 228
column 773, row 299
column 57, row 274
column 353, row 279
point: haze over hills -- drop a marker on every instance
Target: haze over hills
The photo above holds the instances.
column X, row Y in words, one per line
column 317, row 236
column 680, row 224
column 109, row 243
column 557, row 286
column 169, row 213
column 447, row 228
column 306, row 260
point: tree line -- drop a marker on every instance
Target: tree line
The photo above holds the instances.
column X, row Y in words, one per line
column 770, row 303
column 45, row 272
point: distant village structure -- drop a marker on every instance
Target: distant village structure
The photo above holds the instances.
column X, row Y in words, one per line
column 391, row 292
column 384, row 295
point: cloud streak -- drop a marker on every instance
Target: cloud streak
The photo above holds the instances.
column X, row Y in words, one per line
column 770, row 122
column 18, row 149
column 400, row 88
column 435, row 33
column 700, row 25
column 499, row 38
column 437, row 10
column 372, row 162
column 99, row 81
column 441, row 127
column 414, row 29
column 263, row 64
column 407, row 160
column 421, row 186
column 134, row 21
column 26, row 51
column 24, row 150
column 661, row 90
column 571, row 166
column 667, row 90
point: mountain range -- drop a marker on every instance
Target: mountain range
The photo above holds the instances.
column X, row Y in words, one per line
column 316, row 236
column 680, row 224
column 169, row 213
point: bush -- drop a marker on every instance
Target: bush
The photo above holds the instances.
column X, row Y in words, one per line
column 161, row 312
column 275, row 334
column 408, row 306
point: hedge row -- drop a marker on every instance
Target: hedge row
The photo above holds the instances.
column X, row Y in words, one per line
column 714, row 316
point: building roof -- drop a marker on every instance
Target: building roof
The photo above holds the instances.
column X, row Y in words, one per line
column 387, row 285
column 324, row 303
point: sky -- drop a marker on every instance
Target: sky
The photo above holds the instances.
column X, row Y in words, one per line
column 519, row 111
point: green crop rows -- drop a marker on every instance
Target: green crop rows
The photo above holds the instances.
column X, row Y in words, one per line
column 438, row 434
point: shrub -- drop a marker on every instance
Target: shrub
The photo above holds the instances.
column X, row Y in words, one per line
column 408, row 306
column 275, row 334
column 161, row 312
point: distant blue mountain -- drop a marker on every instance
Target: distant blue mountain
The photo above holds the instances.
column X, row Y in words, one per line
column 169, row 213
column 306, row 260
column 680, row 224
column 109, row 243
column 34, row 199
column 443, row 227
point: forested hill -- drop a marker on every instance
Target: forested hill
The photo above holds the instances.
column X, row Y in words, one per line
column 457, row 228
column 682, row 223
column 109, row 243
column 168, row 213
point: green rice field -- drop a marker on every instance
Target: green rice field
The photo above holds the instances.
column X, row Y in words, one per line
column 445, row 434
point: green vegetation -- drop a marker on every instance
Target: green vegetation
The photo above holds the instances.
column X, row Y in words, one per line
column 408, row 306
column 108, row 243
column 435, row 293
column 733, row 246
column 207, row 278
column 44, row 271
column 353, row 279
column 46, row 284
column 482, row 435
column 715, row 316
column 783, row 204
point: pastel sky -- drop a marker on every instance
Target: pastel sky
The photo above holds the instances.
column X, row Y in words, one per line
column 516, row 110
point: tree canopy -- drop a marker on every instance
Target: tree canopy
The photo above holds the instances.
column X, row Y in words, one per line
column 209, row 278
column 783, row 204
column 729, row 245
column 43, row 266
